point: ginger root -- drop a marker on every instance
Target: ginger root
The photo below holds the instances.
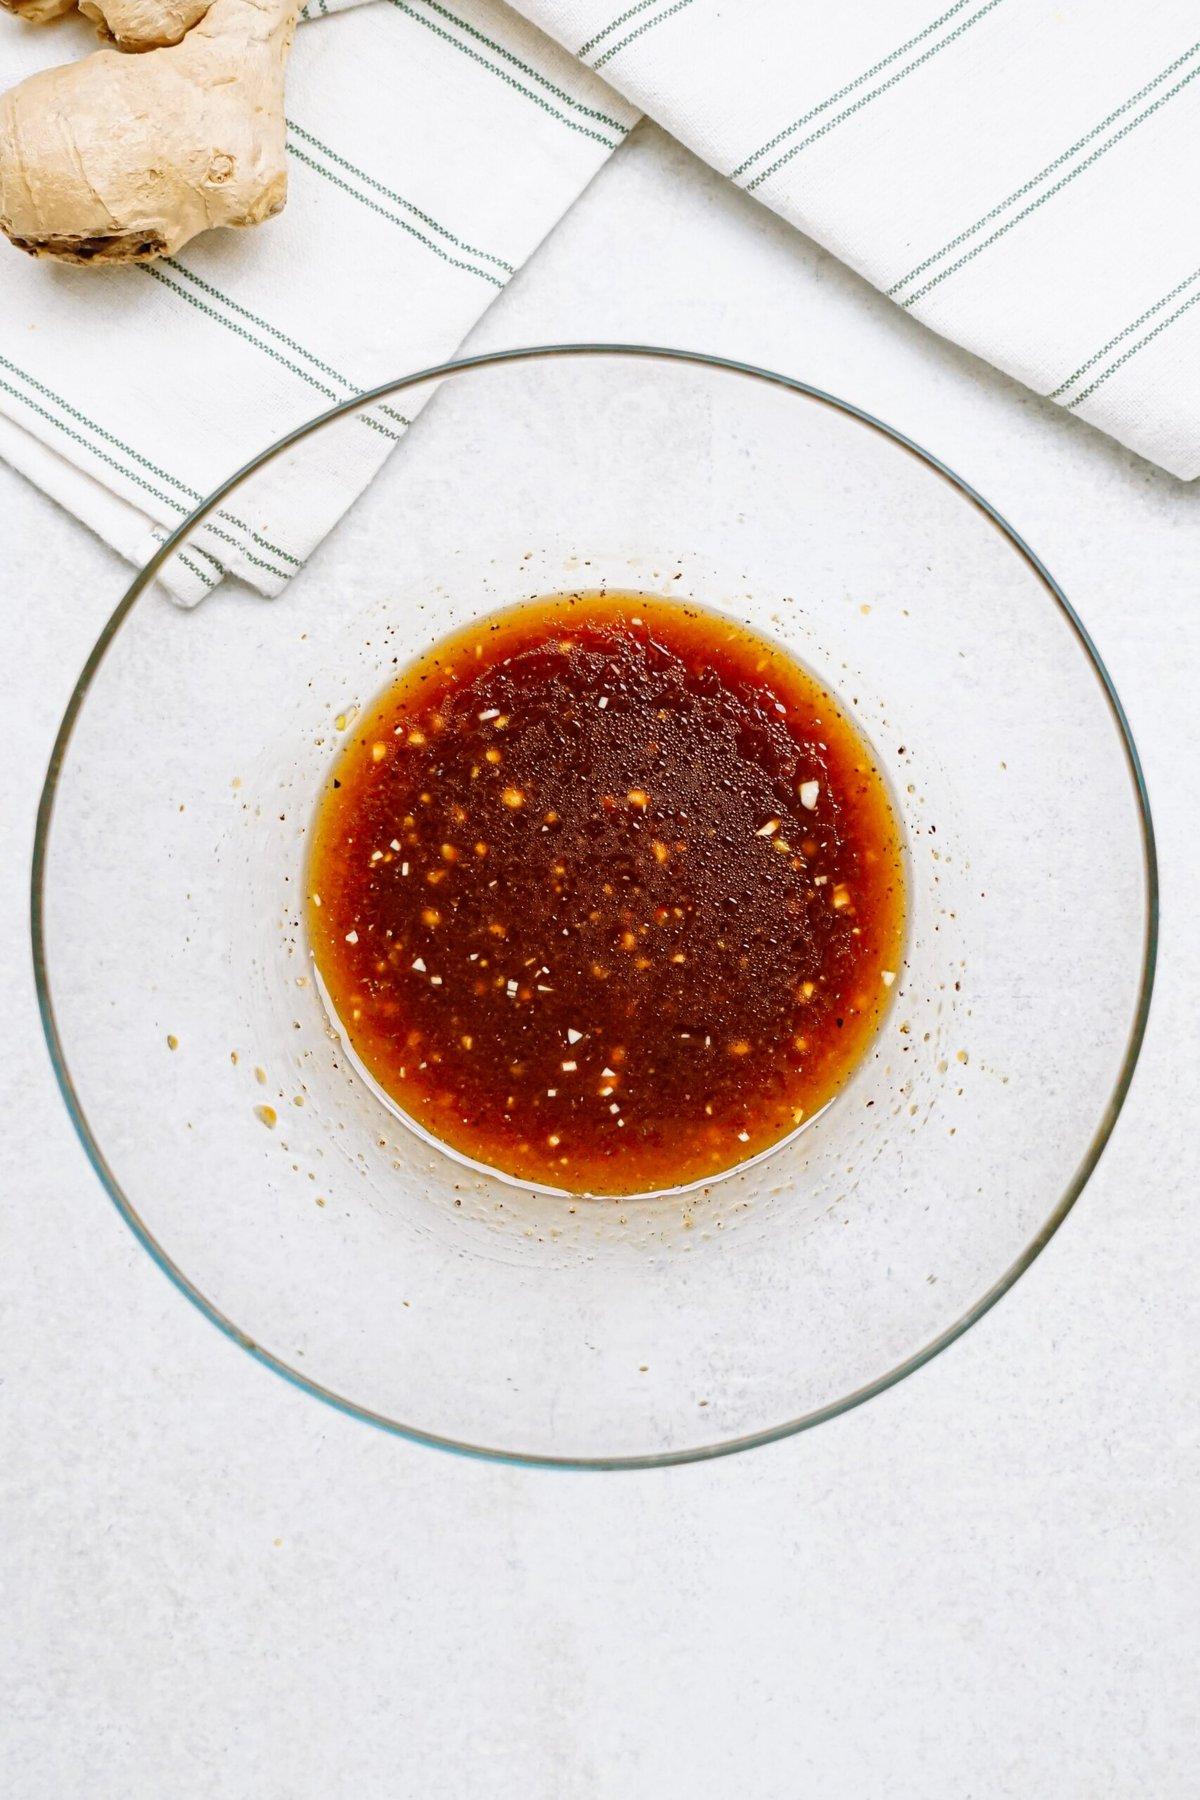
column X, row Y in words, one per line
column 143, row 24
column 37, row 12
column 130, row 24
column 119, row 158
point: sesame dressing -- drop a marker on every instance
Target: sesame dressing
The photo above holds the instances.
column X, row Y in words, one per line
column 607, row 893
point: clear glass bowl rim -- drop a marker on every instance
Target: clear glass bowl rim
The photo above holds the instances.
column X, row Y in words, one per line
column 918, row 1358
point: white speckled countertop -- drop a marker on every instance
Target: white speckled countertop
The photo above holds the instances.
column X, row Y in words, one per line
column 981, row 1584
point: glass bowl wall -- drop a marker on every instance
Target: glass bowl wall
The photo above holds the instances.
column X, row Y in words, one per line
column 370, row 1267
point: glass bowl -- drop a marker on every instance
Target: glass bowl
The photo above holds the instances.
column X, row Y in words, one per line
column 379, row 1273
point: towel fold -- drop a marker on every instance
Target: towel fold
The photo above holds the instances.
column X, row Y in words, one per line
column 430, row 150
column 1019, row 175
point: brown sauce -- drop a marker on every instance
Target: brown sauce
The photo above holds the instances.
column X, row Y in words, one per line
column 607, row 893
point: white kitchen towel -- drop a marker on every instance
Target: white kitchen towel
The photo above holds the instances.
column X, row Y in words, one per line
column 1021, row 175
column 430, row 149
column 1018, row 174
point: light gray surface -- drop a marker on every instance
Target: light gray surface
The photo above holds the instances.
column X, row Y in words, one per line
column 983, row 1583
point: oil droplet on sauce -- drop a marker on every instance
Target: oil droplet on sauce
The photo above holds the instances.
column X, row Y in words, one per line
column 617, row 906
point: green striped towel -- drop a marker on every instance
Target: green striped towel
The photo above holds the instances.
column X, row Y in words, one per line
column 431, row 147
column 1018, row 175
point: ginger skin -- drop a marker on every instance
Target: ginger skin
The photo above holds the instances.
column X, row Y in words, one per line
column 129, row 24
column 143, row 24
column 37, row 12
column 118, row 159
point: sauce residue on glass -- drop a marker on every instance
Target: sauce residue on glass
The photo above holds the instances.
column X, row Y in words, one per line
column 606, row 892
